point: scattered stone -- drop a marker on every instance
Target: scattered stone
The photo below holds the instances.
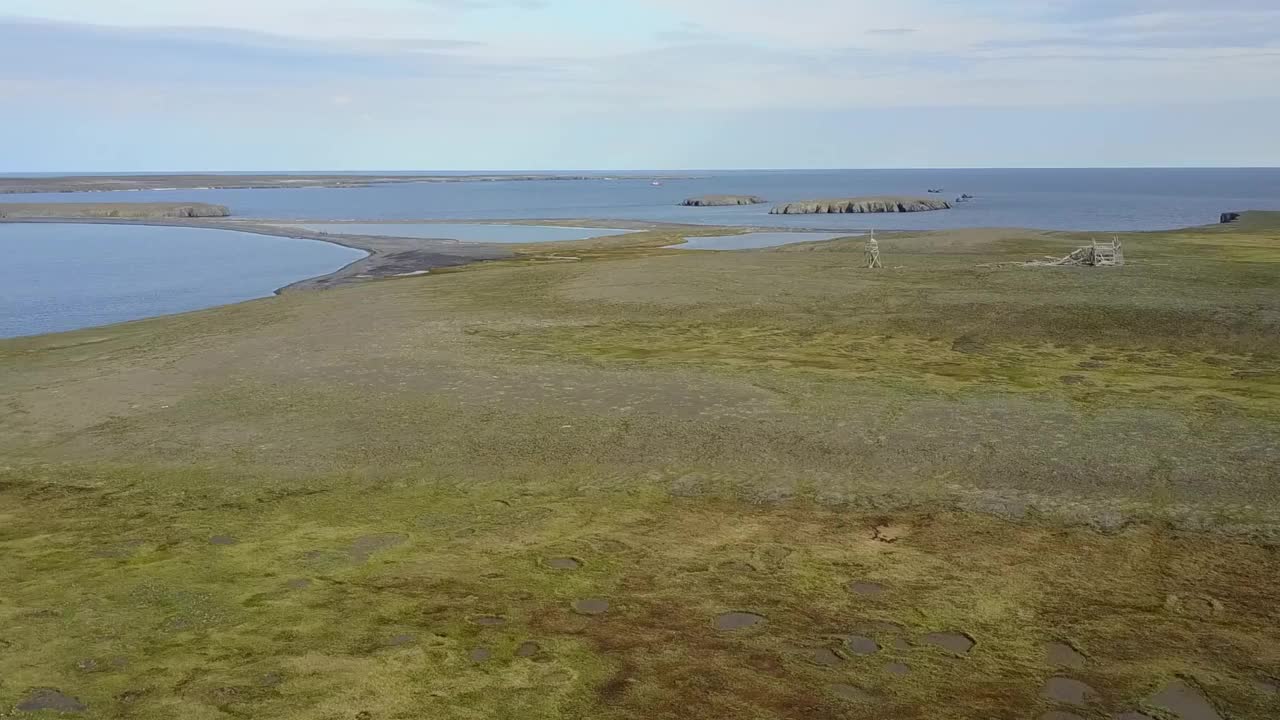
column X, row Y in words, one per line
column 364, row 715
column 1185, row 701
column 223, row 540
column 400, row 640
column 1091, row 365
column 563, row 563
column 88, row 665
column 271, row 679
column 901, row 644
column 825, row 657
column 862, row 587
column 860, row 645
column 591, row 606
column 1062, row 654
column 528, row 649
column 731, row 621
column 1068, row 691
column 51, row 699
column 1074, row 380
column 898, row 668
column 849, row 692
column 489, row 621
column 363, row 547
column 298, row 584
column 952, row 642
column 118, row 662
column 479, row 655
column 1266, row 687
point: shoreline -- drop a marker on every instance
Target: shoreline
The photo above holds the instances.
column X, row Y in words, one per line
column 390, row 257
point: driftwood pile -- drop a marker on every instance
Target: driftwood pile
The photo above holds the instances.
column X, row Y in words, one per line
column 1106, row 254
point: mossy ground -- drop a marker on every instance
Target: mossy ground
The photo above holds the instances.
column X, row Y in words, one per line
column 708, row 432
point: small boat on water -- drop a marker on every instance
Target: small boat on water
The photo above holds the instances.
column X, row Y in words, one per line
column 656, row 183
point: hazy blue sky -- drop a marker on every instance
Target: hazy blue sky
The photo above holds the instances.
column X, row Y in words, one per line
column 526, row 84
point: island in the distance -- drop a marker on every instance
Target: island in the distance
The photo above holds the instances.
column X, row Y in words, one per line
column 861, row 205
column 722, row 201
column 132, row 211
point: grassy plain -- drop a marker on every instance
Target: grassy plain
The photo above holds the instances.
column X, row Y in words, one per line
column 361, row 504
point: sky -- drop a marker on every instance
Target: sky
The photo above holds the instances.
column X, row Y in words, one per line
column 174, row 85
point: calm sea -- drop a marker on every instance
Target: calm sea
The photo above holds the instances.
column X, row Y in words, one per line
column 65, row 277
column 60, row 277
column 1128, row 199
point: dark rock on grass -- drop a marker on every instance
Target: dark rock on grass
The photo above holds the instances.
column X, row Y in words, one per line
column 861, row 587
column 563, row 563
column 51, row 699
column 223, row 540
column 1184, row 701
column 1267, row 687
column 898, row 668
column 528, row 649
column 479, row 655
column 1064, row 655
column 400, row 641
column 591, row 606
column 731, row 621
column 364, row 547
column 489, row 621
column 1228, row 217
column 722, row 200
column 1068, row 692
column 1075, row 380
column 952, row 642
column 861, row 205
column 861, row 645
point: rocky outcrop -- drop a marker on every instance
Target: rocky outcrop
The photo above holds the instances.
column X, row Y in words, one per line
column 722, row 200
column 861, row 205
column 1229, row 218
column 132, row 211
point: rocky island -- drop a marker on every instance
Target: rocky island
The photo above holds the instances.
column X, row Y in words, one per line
column 722, row 201
column 861, row 205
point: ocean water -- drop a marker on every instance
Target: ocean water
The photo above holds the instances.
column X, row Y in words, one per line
column 64, row 277
column 464, row 232
column 1074, row 199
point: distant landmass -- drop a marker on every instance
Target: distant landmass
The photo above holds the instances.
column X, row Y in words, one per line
column 134, row 211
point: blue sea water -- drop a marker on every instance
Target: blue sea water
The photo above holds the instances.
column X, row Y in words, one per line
column 1062, row 199
column 57, row 277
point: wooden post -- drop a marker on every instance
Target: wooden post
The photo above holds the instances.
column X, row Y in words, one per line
column 872, row 252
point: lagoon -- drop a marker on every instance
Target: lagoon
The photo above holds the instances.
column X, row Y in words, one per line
column 56, row 277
